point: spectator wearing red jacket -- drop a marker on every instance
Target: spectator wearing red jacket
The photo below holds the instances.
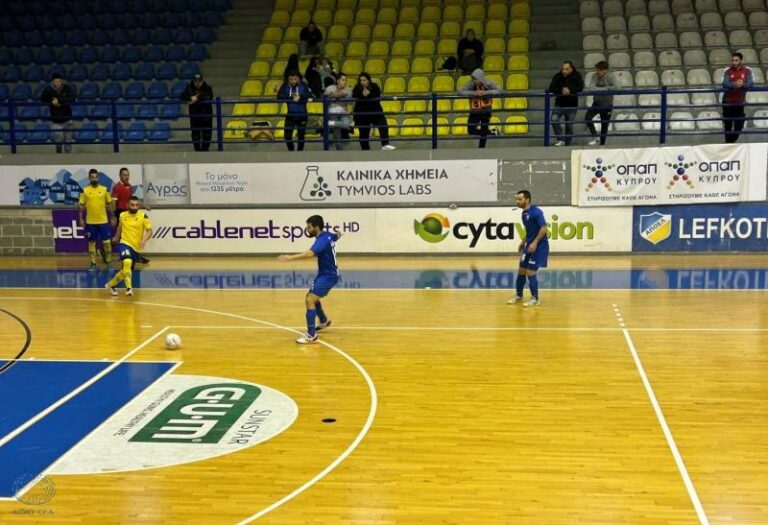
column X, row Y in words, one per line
column 737, row 79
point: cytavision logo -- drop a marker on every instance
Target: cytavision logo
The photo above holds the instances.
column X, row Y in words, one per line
column 431, row 227
column 216, row 230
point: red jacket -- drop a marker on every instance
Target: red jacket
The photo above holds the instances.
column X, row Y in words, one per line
column 731, row 75
column 121, row 193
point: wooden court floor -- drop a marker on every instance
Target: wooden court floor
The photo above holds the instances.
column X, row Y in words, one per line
column 449, row 406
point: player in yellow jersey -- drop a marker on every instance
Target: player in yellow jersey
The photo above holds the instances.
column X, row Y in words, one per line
column 96, row 217
column 133, row 232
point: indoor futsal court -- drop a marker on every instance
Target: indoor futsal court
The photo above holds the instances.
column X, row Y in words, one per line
column 634, row 393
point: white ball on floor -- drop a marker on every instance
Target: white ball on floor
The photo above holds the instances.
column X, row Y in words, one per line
column 172, row 341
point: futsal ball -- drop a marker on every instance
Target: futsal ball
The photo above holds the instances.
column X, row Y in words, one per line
column 172, row 341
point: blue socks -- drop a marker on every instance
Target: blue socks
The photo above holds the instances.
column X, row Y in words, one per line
column 520, row 284
column 320, row 313
column 533, row 282
column 311, row 314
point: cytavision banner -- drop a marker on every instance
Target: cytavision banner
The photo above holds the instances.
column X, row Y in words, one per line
column 344, row 182
column 673, row 175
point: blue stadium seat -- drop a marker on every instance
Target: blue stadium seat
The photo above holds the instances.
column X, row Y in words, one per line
column 183, row 36
column 44, row 56
column 120, row 37
column 21, row 132
column 87, row 55
column 66, row 55
column 174, row 54
column 212, row 19
column 166, row 71
column 3, row 136
column 10, row 74
column 89, row 91
column 25, row 112
column 26, row 23
column 100, row 112
column 34, row 39
column 100, row 72
column 6, row 24
column 130, row 20
column 34, row 73
column 188, row 70
column 43, row 23
column 76, row 38
column 141, row 37
column 153, row 53
column 21, row 92
column 14, row 39
column 77, row 73
column 112, row 91
column 178, row 88
column 39, row 90
column 122, row 71
column 22, row 56
column 4, row 113
column 124, row 111
column 40, row 133
column 162, row 36
column 96, row 37
column 5, row 56
column 79, row 111
column 177, row 6
column 131, row 54
column 68, row 23
column 149, row 20
column 87, row 20
column 144, row 71
column 56, row 69
column 171, row 20
column 106, row 21
column 4, row 92
column 196, row 53
column 218, row 5
column 146, row 112
column 57, row 38
column 109, row 54
column 138, row 6
column 137, row 132
column 157, row 90
column 134, row 90
column 205, row 35
column 88, row 132
column 108, row 136
column 170, row 111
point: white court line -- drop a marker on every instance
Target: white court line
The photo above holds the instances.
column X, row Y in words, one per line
column 411, row 289
column 53, row 406
column 477, row 328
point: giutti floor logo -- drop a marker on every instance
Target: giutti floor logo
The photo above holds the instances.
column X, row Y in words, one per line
column 315, row 187
column 655, row 227
column 599, row 174
column 431, row 227
column 678, row 172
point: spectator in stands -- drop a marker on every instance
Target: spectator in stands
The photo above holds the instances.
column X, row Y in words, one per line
column 737, row 79
column 200, row 96
column 566, row 85
column 339, row 120
column 311, row 40
column 602, row 104
column 369, row 113
column 291, row 66
column 469, row 53
column 296, row 93
column 328, row 75
column 58, row 95
column 312, row 76
column 480, row 90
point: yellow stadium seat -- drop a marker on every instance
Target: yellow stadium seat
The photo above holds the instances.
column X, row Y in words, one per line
column 326, row 4
column 272, row 34
column 409, row 14
column 389, row 3
column 410, row 2
column 300, row 17
column 421, row 65
column 444, row 106
column 521, row 11
column 415, row 106
column 431, row 13
column 370, row 4
column 515, row 103
column 519, row 28
column 517, row 82
column 418, row 84
column 405, row 30
column 463, row 79
column 394, row 86
column 266, row 51
column 284, row 5
column 323, row 17
column 271, row 87
column 383, row 31
column 365, row 16
column 516, row 125
column 235, row 130
column 459, row 126
column 493, row 63
column 454, row 2
column 474, row 25
column 474, row 12
column 357, row 49
column 269, row 109
column 450, row 29
column 346, row 4
column 352, row 67
column 497, row 12
column 398, row 66
column 391, row 106
column 518, row 63
column 495, row 28
column 303, row 63
column 243, row 109
column 497, row 79
column 361, row 32
column 394, row 128
column 517, row 44
column 378, row 48
column 427, row 30
column 443, row 127
column 287, row 49
column 427, row 3
column 251, row 88
column 424, row 48
column 447, row 46
column 259, row 68
column 307, row 5
column 292, row 33
column 334, row 49
column 280, row 18
column 460, row 105
column 278, row 68
column 443, row 84
column 375, row 66
column 453, row 12
column 387, row 15
column 412, row 127
column 344, row 17
column 338, row 32
column 495, row 45
column 402, row 48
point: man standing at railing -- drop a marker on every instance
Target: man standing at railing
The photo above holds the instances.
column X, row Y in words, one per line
column 481, row 103
column 602, row 103
column 296, row 93
column 566, row 84
column 200, row 96
column 58, row 95
column 737, row 79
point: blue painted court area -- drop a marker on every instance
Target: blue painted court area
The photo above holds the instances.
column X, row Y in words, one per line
column 29, row 387
column 638, row 278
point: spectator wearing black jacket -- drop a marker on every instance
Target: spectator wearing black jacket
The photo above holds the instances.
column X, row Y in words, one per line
column 566, row 86
column 200, row 97
column 311, row 40
column 369, row 113
column 58, row 95
column 296, row 93
column 312, row 76
column 469, row 53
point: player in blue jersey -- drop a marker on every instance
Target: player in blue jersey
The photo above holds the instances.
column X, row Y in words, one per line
column 533, row 250
column 324, row 248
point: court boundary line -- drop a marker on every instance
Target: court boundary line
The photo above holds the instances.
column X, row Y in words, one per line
column 480, row 328
column 304, row 289
column 58, row 403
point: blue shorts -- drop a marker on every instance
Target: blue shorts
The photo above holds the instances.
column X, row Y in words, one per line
column 98, row 232
column 126, row 252
column 323, row 284
column 534, row 261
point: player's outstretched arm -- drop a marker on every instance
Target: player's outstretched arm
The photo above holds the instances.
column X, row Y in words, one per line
column 303, row 255
column 147, row 236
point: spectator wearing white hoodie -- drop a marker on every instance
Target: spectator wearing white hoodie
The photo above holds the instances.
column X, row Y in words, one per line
column 481, row 91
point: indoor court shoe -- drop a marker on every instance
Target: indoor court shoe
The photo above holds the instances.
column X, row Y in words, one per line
column 323, row 326
column 516, row 299
column 307, row 339
column 559, row 143
column 594, row 142
column 92, row 267
column 129, row 291
column 112, row 289
column 388, row 147
column 103, row 255
column 531, row 302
